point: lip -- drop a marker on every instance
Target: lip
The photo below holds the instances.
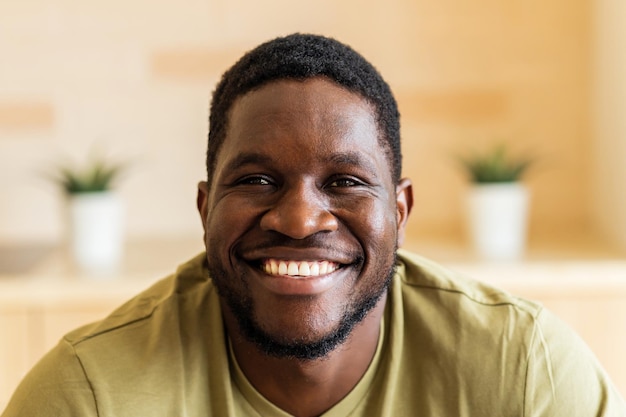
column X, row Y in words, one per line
column 289, row 285
column 298, row 254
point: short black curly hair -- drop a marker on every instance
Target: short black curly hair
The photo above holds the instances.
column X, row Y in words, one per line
column 300, row 57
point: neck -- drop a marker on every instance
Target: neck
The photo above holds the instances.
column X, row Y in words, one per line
column 306, row 388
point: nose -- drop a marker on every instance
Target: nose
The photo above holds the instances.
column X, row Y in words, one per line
column 298, row 213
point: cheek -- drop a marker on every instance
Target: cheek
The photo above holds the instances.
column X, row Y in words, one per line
column 225, row 224
column 373, row 225
column 375, row 221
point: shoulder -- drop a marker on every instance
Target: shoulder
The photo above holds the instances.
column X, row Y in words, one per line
column 419, row 274
column 456, row 311
column 542, row 362
column 55, row 386
column 190, row 278
column 141, row 349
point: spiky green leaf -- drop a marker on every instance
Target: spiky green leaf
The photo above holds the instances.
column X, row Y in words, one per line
column 495, row 166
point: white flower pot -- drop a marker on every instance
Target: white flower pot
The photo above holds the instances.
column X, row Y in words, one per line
column 497, row 220
column 96, row 223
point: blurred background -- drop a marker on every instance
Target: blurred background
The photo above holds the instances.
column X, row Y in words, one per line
column 132, row 80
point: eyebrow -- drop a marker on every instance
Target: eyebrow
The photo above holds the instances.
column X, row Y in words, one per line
column 247, row 158
column 340, row 158
column 352, row 158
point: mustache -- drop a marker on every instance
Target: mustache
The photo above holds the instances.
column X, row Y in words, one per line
column 273, row 240
column 316, row 241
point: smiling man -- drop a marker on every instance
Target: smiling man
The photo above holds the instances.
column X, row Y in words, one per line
column 302, row 304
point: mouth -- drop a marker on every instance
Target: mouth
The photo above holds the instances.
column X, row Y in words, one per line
column 294, row 277
column 298, row 269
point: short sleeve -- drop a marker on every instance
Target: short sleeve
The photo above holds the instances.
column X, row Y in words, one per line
column 564, row 378
column 56, row 386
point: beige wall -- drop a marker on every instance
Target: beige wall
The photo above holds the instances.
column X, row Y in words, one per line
column 133, row 78
column 609, row 87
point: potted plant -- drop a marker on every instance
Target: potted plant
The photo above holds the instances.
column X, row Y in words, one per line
column 95, row 214
column 497, row 203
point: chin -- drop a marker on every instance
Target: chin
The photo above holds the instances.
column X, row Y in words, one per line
column 299, row 343
column 303, row 335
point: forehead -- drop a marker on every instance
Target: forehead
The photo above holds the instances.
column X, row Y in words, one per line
column 315, row 116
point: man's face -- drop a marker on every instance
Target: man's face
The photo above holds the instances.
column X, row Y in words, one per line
column 302, row 218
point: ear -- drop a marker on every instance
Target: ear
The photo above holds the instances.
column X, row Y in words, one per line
column 202, row 202
column 404, row 204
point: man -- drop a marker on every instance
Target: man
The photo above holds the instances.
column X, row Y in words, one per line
column 301, row 304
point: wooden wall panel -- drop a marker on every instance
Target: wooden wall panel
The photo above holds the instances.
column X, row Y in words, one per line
column 192, row 64
column 461, row 106
column 26, row 115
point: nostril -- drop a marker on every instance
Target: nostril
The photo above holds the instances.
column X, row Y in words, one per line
column 299, row 221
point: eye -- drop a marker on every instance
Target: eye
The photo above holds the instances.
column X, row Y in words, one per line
column 254, row 180
column 344, row 182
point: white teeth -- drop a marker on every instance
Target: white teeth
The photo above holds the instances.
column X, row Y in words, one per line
column 298, row 268
column 293, row 269
column 323, row 267
column 304, row 270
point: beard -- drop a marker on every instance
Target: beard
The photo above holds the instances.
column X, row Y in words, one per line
column 241, row 306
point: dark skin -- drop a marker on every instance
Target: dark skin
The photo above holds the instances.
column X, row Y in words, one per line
column 302, row 179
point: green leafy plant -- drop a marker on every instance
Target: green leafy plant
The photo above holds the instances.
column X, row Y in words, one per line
column 97, row 177
column 495, row 166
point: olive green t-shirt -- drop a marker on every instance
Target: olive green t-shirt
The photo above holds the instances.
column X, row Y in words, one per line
column 450, row 346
